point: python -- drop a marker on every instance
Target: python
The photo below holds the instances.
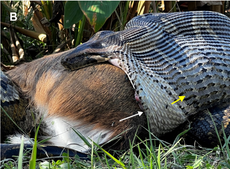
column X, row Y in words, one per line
column 70, row 99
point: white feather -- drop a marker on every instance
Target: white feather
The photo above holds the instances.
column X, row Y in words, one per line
column 62, row 133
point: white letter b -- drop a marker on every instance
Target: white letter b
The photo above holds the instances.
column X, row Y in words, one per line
column 13, row 16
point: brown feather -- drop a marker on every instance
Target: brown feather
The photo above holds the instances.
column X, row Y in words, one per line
column 100, row 95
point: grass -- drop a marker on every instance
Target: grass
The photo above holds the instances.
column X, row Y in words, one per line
column 146, row 154
column 149, row 153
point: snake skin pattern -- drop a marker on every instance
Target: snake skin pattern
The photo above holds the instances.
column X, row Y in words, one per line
column 166, row 56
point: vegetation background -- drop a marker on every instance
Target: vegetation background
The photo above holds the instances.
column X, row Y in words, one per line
column 46, row 27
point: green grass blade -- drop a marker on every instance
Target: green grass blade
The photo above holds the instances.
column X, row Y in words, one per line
column 20, row 158
column 83, row 138
column 141, row 157
column 217, row 133
column 68, row 159
column 107, row 163
column 32, row 163
column 111, row 156
column 92, row 157
column 226, row 140
column 159, row 157
column 171, row 149
column 140, row 164
column 87, row 143
column 150, row 137
column 131, row 161
column 179, row 135
column 151, row 151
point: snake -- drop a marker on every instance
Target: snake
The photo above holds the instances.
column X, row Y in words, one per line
column 167, row 55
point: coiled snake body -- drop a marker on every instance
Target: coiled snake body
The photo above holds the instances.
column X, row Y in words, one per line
column 166, row 56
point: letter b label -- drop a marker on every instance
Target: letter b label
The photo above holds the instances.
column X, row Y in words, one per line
column 13, row 16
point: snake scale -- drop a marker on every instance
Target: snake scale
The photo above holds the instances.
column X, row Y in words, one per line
column 165, row 56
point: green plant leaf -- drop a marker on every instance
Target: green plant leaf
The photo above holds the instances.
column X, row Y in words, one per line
column 32, row 163
column 111, row 156
column 20, row 158
column 97, row 12
column 72, row 13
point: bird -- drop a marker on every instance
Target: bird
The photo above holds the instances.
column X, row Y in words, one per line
column 90, row 101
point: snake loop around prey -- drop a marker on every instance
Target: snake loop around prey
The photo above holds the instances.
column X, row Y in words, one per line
column 165, row 56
